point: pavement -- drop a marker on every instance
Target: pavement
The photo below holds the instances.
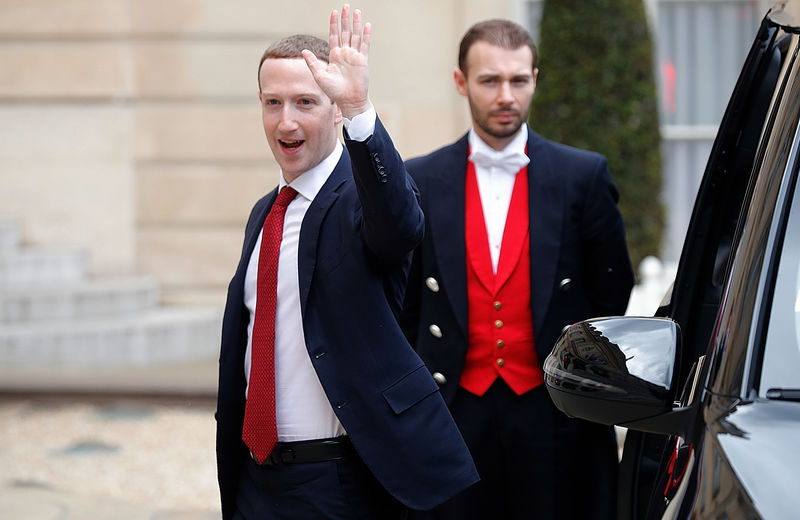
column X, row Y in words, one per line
column 133, row 443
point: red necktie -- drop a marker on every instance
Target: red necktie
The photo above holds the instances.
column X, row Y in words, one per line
column 259, row 431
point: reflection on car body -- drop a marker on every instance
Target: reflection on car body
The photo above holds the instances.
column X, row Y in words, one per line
column 710, row 387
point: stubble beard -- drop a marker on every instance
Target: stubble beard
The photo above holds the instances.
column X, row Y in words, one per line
column 483, row 121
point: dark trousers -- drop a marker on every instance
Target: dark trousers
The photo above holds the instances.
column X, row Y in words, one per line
column 534, row 462
column 340, row 489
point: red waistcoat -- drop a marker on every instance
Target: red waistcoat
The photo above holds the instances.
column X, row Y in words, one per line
column 500, row 323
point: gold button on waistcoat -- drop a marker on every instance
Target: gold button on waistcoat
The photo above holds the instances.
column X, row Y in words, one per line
column 498, row 306
column 500, row 362
column 498, row 324
column 501, row 343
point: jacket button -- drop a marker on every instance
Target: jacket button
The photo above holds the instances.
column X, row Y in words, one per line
column 432, row 284
column 565, row 284
column 439, row 378
column 436, row 332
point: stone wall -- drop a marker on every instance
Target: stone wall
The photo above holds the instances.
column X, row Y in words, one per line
column 131, row 128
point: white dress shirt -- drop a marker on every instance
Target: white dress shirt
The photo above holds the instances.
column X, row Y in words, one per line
column 302, row 409
column 496, row 172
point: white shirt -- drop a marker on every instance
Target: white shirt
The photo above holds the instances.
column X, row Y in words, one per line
column 496, row 184
column 302, row 410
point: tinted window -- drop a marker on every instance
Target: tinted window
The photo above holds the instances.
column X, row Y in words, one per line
column 781, row 365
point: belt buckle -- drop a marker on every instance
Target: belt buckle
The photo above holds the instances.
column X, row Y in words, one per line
column 279, row 455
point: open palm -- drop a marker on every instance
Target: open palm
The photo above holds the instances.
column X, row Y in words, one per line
column 345, row 78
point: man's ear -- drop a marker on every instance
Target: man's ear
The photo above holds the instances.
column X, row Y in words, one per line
column 259, row 96
column 461, row 81
column 338, row 117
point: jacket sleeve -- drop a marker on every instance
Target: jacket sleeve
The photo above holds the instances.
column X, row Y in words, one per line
column 605, row 260
column 392, row 224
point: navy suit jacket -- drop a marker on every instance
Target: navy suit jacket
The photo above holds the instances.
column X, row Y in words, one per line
column 579, row 258
column 354, row 253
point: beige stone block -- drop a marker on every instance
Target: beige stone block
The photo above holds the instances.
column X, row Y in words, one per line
column 67, row 133
column 64, row 70
column 472, row 11
column 200, row 194
column 66, row 173
column 208, row 16
column 147, row 17
column 87, row 205
column 211, row 296
column 227, row 132
column 412, row 63
column 420, row 130
column 58, row 17
column 231, row 16
column 197, row 69
column 190, row 257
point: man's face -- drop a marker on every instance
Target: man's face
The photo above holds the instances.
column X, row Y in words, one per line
column 499, row 84
column 300, row 121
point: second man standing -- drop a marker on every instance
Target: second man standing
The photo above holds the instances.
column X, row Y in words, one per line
column 522, row 237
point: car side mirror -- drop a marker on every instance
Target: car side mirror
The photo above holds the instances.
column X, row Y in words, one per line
column 618, row 371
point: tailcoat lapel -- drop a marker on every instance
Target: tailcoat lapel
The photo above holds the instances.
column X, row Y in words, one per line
column 446, row 207
column 546, row 219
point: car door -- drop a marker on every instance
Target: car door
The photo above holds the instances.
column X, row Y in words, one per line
column 657, row 470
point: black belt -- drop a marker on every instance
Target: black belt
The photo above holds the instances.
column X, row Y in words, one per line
column 300, row 452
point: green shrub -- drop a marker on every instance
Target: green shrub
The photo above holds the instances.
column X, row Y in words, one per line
column 596, row 90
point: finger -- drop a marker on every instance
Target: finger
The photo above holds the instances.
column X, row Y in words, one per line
column 356, row 38
column 346, row 25
column 333, row 36
column 313, row 63
column 366, row 39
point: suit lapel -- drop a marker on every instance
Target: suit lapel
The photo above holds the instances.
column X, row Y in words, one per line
column 446, row 206
column 255, row 225
column 312, row 222
column 546, row 204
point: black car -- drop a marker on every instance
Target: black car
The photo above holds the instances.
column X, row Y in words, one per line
column 709, row 388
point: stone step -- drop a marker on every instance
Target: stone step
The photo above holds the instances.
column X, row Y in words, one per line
column 10, row 234
column 77, row 300
column 28, row 266
column 155, row 336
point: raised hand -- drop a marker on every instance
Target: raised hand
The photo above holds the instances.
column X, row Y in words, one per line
column 345, row 78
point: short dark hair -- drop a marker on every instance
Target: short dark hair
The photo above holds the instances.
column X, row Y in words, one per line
column 501, row 33
column 292, row 47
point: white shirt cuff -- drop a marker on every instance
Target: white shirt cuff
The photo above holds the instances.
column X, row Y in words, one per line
column 362, row 126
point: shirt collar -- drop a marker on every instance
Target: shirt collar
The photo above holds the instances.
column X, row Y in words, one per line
column 517, row 144
column 310, row 182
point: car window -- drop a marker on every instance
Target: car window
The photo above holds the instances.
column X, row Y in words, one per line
column 781, row 362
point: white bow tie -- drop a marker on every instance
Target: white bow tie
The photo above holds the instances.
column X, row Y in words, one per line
column 506, row 160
